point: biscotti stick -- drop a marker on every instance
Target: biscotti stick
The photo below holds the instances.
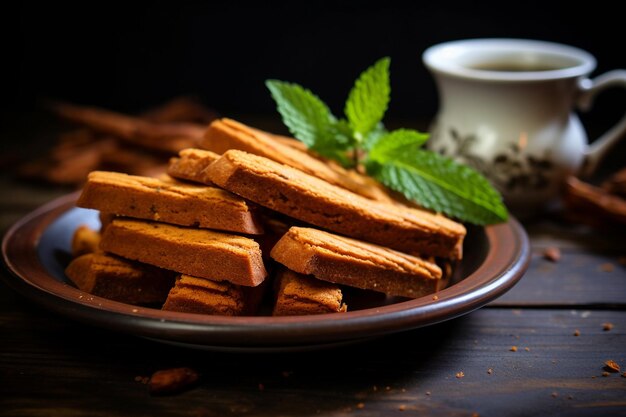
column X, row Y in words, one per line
column 118, row 279
column 357, row 264
column 225, row 134
column 299, row 294
column 167, row 201
column 205, row 296
column 190, row 165
column 304, row 197
column 168, row 137
column 197, row 252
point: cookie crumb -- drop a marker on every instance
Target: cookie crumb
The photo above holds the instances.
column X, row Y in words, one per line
column 576, row 332
column 513, row 349
column 402, row 407
column 527, row 349
column 555, row 394
column 174, row 380
column 360, row 406
column 611, row 366
column 607, row 326
column 607, row 267
column 435, row 297
column 489, row 371
column 143, row 379
column 605, row 373
column 552, row 253
column 460, row 374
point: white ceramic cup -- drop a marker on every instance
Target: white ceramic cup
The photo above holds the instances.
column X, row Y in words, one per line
column 506, row 109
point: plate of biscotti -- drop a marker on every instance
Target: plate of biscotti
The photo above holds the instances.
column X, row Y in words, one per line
column 249, row 242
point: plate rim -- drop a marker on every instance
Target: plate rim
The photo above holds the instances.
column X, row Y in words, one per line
column 504, row 266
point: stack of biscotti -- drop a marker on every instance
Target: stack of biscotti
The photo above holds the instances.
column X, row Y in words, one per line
column 226, row 214
column 155, row 227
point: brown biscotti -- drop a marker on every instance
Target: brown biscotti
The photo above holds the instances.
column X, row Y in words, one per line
column 190, row 165
column 225, row 134
column 167, row 137
column 299, row 294
column 105, row 220
column 357, row 264
column 197, row 252
column 304, row 197
column 167, row 201
column 205, row 296
column 85, row 240
column 118, row 279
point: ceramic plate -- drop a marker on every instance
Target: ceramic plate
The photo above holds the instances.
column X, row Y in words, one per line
column 36, row 250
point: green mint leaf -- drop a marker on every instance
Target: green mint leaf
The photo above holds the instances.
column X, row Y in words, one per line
column 373, row 136
column 337, row 137
column 308, row 118
column 439, row 184
column 335, row 143
column 368, row 99
column 400, row 140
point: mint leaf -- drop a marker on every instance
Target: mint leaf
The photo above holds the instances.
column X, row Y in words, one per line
column 439, row 184
column 400, row 140
column 368, row 99
column 373, row 136
column 306, row 116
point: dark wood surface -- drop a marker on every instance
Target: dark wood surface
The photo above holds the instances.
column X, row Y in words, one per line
column 53, row 366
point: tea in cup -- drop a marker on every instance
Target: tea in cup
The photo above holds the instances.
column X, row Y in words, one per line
column 506, row 109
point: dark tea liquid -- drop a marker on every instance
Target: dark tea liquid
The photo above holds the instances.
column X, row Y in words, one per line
column 512, row 66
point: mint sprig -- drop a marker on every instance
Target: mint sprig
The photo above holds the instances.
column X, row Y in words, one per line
column 368, row 99
column 393, row 158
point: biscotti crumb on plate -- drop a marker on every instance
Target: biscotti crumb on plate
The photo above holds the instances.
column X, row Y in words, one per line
column 299, row 294
column 350, row 262
column 167, row 201
column 197, row 252
column 85, row 240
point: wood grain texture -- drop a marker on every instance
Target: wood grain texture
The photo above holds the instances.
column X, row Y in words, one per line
column 50, row 363
column 579, row 278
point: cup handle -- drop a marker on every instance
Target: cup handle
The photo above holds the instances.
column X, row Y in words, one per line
column 589, row 88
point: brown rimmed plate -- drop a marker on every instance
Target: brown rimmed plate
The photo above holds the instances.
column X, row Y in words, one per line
column 36, row 250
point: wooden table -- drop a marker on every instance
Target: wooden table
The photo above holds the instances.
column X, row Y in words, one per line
column 52, row 366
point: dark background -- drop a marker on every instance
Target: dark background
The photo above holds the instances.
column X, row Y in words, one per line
column 128, row 56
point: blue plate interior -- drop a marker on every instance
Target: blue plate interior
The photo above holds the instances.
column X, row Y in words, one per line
column 56, row 241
